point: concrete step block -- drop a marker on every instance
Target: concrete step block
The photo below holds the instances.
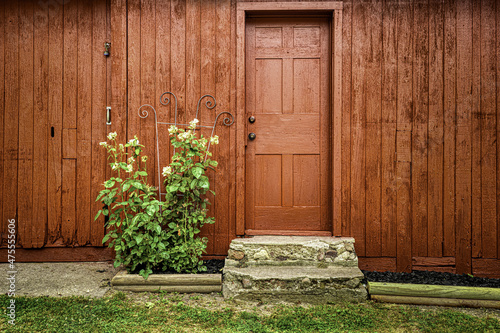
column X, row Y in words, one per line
column 292, row 251
column 295, row 284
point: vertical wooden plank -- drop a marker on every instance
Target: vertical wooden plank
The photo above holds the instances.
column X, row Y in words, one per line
column 99, row 91
column 476, row 200
column 207, row 75
column 240, row 124
column 178, row 54
column 119, row 68
column 403, row 138
column 68, row 200
column 358, row 124
column 84, row 124
column 55, row 107
column 488, row 130
column 70, row 104
column 389, row 108
column 435, row 150
column 3, row 19
column 163, row 78
column 463, row 137
column 287, row 181
column 346, row 117
column 25, row 182
column 337, row 122
column 420, row 123
column 133, row 56
column 41, row 129
column 232, row 129
column 11, row 118
column 497, row 46
column 373, row 61
column 450, row 65
column 222, row 79
column 193, row 61
column 148, row 90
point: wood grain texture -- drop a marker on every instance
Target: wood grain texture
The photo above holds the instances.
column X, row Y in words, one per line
column 55, row 118
column 207, row 84
column 373, row 153
column 41, row 130
column 489, row 218
column 420, row 130
column 11, row 113
column 463, row 137
column 449, row 114
column 100, row 89
column 476, row 200
column 26, row 86
column 435, row 130
column 403, row 138
column 337, row 54
column 389, row 127
column 222, row 151
column 346, row 117
column 358, row 124
column 84, row 124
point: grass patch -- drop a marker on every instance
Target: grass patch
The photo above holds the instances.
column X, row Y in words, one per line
column 164, row 313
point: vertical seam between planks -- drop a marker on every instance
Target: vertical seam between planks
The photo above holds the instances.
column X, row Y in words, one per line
column 350, row 122
column 443, row 64
column 381, row 183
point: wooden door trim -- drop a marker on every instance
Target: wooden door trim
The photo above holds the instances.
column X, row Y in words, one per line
column 245, row 8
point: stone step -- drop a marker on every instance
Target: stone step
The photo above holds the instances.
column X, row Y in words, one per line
column 302, row 284
column 292, row 251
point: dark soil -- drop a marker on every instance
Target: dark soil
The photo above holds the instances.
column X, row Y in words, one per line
column 427, row 277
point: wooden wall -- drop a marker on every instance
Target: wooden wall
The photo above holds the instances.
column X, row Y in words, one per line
column 419, row 183
column 53, row 78
column 421, row 95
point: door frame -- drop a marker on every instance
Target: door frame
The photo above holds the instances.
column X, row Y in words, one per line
column 333, row 8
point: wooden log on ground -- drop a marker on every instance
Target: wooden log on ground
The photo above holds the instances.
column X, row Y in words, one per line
column 124, row 279
column 433, row 291
column 473, row 303
column 178, row 289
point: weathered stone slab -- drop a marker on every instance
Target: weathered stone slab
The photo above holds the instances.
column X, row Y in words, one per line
column 292, row 251
column 294, row 284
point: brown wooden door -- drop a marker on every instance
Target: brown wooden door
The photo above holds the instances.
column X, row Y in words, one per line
column 287, row 91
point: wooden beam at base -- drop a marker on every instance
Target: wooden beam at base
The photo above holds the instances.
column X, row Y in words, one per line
column 377, row 264
column 473, row 303
column 489, row 268
column 61, row 254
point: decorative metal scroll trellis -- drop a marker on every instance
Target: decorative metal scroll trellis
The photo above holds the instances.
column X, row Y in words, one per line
column 165, row 100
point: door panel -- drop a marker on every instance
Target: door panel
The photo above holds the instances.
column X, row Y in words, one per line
column 287, row 171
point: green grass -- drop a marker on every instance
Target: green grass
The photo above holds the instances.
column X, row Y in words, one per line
column 170, row 314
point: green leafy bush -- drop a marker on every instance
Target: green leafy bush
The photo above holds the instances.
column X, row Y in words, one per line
column 146, row 233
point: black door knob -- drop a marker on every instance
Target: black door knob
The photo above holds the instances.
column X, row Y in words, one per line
column 252, row 136
column 251, row 120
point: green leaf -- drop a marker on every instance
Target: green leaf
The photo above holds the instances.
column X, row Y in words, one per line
column 97, row 215
column 158, row 228
column 109, row 183
column 197, row 172
column 106, row 237
column 126, row 186
column 138, row 239
column 204, row 183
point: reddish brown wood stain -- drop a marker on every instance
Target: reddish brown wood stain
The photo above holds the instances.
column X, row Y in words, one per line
column 411, row 169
